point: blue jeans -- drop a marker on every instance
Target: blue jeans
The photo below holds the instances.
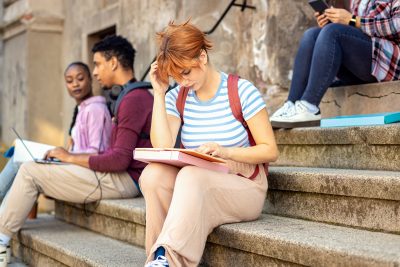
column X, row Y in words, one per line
column 335, row 50
column 7, row 176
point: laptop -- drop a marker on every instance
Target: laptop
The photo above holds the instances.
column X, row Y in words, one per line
column 41, row 161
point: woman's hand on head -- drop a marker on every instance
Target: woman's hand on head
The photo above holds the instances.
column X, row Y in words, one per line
column 338, row 15
column 59, row 153
column 214, row 149
column 322, row 20
column 159, row 87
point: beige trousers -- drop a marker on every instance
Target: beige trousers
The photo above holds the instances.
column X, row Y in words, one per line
column 183, row 206
column 67, row 182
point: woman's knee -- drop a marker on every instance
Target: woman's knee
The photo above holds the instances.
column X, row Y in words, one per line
column 191, row 177
column 154, row 175
column 310, row 35
column 27, row 169
column 331, row 31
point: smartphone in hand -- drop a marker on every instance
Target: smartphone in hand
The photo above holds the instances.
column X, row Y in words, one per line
column 318, row 5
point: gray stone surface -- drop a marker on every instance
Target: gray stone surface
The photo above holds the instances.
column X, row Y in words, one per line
column 343, row 182
column 15, row 262
column 341, row 156
column 278, row 240
column 31, row 73
column 124, row 209
column 1, row 63
column 366, row 135
column 221, row 256
column 310, row 243
column 70, row 245
column 371, row 214
column 366, row 199
column 120, row 219
column 32, row 257
column 373, row 148
column 361, row 99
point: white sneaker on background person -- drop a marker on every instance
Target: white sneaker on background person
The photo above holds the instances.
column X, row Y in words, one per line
column 303, row 115
column 287, row 108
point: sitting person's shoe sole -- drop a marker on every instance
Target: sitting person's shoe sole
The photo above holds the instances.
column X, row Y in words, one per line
column 290, row 125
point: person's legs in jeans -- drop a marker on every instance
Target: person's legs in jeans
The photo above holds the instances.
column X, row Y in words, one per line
column 301, row 71
column 302, row 64
column 338, row 45
column 7, row 176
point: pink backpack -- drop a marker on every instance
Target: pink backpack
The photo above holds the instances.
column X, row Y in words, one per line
column 236, row 107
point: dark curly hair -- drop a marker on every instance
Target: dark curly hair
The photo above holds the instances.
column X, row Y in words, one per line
column 118, row 46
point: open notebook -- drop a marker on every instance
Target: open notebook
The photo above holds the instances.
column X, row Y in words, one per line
column 180, row 158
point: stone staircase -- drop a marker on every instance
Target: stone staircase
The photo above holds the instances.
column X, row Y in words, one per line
column 370, row 148
column 333, row 200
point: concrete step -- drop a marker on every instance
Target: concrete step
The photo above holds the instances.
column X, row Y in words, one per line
column 361, row 99
column 15, row 262
column 271, row 240
column 365, row 199
column 369, row 147
column 123, row 219
column 50, row 242
column 308, row 243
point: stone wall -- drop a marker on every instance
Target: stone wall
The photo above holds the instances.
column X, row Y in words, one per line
column 257, row 44
column 31, row 74
column 1, row 65
column 14, row 107
column 2, row 146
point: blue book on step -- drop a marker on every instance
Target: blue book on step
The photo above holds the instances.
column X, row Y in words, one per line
column 361, row 120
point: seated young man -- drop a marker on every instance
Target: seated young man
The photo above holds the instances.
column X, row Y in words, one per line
column 114, row 171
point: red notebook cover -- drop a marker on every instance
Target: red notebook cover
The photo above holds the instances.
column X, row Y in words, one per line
column 180, row 158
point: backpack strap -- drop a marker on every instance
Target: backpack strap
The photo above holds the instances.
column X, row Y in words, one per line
column 181, row 100
column 180, row 104
column 236, row 107
column 129, row 87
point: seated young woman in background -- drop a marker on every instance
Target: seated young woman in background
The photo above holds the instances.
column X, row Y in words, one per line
column 360, row 46
column 183, row 205
column 91, row 123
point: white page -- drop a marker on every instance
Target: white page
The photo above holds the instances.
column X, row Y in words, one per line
column 38, row 150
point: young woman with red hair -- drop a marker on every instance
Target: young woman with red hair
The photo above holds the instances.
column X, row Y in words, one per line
column 184, row 205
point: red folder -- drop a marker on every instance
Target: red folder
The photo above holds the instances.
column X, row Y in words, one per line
column 180, row 158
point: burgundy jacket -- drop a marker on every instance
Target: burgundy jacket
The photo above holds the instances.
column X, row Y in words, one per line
column 133, row 120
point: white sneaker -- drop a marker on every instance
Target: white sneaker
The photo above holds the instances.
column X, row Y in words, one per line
column 3, row 256
column 302, row 117
column 286, row 109
column 161, row 261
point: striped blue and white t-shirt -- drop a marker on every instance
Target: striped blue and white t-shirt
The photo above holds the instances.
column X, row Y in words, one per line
column 212, row 120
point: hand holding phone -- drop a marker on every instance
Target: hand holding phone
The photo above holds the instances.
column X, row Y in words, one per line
column 322, row 19
column 318, row 5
